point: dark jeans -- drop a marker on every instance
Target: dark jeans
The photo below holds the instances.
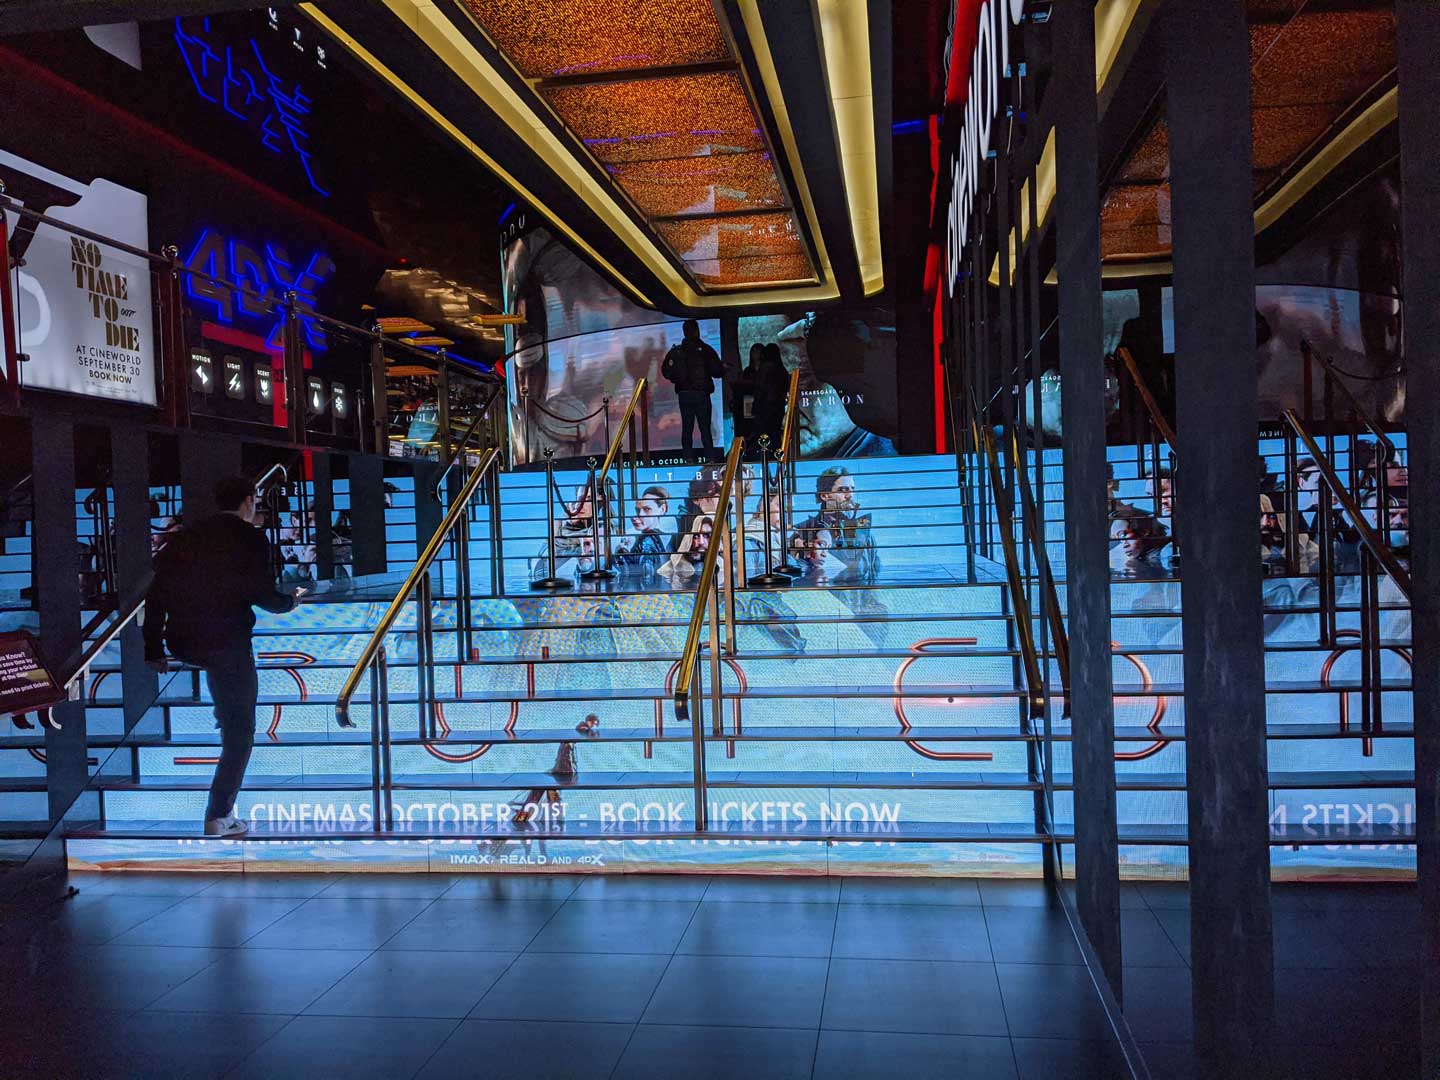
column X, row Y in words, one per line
column 235, row 689
column 695, row 408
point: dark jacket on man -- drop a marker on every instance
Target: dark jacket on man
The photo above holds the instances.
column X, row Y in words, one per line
column 208, row 581
column 693, row 367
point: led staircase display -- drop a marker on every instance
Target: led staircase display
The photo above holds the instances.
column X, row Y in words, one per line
column 867, row 723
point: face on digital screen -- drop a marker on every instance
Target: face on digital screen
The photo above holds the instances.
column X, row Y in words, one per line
column 700, row 539
column 1167, row 495
column 841, row 495
column 648, row 511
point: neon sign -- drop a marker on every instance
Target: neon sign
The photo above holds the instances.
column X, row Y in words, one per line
column 249, row 286
column 239, row 80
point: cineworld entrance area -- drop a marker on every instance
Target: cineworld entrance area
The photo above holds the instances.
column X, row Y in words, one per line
column 756, row 539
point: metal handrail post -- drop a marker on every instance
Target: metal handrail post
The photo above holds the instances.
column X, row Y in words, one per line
column 697, row 753
column 551, row 581
column 600, row 569
column 772, row 578
column 717, row 701
column 387, row 779
column 375, row 742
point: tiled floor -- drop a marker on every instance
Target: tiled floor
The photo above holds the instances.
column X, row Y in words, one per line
column 532, row 977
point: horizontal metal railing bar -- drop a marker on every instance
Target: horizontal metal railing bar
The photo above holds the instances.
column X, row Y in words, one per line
column 950, row 692
column 631, row 780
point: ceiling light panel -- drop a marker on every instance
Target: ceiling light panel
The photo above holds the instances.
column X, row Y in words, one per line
column 714, row 183
column 547, row 39
column 653, row 92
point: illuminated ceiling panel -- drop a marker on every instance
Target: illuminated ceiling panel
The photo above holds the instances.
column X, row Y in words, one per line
column 653, row 92
column 669, row 187
column 548, row 39
column 642, row 119
column 1311, row 67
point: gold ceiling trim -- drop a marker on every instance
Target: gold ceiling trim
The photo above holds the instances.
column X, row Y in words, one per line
column 474, row 149
column 845, row 37
column 449, row 44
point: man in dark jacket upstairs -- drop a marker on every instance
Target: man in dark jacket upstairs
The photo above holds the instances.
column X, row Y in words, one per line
column 208, row 580
column 693, row 367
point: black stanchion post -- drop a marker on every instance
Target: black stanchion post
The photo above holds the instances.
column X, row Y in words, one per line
column 771, row 579
column 599, row 571
column 551, row 582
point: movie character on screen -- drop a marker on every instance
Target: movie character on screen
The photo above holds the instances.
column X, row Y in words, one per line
column 1137, row 540
column 648, row 546
column 850, row 541
column 683, row 566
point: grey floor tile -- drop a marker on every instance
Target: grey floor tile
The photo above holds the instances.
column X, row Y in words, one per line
column 760, row 929
column 909, row 890
column 1144, row 941
column 150, row 1045
column 339, row 923
column 1031, row 935
column 1006, row 892
column 659, row 1052
column 586, row 987
column 394, row 983
column 617, row 926
column 90, row 919
column 1167, row 896
column 776, row 890
column 262, row 883
column 1313, row 939
column 914, row 996
column 262, row 981
column 1172, row 1061
column 643, row 887
column 138, row 883
column 476, row 925
column 222, row 922
column 1159, row 1004
column 354, row 1047
column 740, row 991
column 514, row 887
column 1052, row 1002
column 911, row 932
column 529, row 1050
column 114, row 976
column 1070, row 1059
column 1176, row 924
column 387, row 886
column 877, row 1055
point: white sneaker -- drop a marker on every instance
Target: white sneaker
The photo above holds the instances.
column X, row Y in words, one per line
column 229, row 825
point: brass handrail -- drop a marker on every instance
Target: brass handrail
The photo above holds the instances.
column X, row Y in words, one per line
column 1361, row 413
column 1005, row 516
column 1058, row 635
column 422, row 566
column 706, row 583
column 1147, row 399
column 792, row 417
column 614, row 450
column 1383, row 553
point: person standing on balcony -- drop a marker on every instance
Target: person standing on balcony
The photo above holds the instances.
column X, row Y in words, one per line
column 208, row 580
column 693, row 366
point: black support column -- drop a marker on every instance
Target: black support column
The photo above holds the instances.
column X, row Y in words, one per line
column 323, row 504
column 57, row 592
column 367, row 514
column 130, row 453
column 1419, row 40
column 1207, row 68
column 1082, row 375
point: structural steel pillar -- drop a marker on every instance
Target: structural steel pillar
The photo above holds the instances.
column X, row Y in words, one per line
column 1419, row 38
column 1207, row 67
column 130, row 457
column 1087, row 525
